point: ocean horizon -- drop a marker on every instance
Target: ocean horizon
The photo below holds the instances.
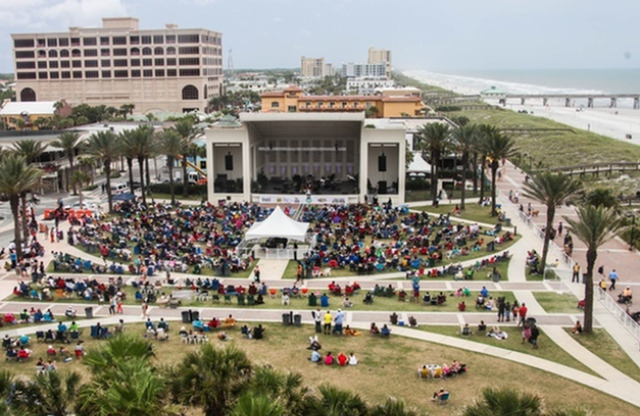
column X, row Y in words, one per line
column 534, row 81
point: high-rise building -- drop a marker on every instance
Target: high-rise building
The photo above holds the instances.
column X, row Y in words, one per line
column 377, row 56
column 311, row 67
column 167, row 69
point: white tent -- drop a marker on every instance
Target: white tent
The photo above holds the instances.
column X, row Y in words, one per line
column 278, row 224
column 419, row 165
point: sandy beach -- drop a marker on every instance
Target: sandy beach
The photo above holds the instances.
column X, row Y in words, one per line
column 612, row 122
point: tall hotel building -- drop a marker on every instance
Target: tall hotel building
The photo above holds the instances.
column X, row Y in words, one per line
column 169, row 69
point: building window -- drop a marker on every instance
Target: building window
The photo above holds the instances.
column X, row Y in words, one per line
column 135, row 62
column 43, row 75
column 189, row 92
column 120, row 62
column 105, row 62
column 147, row 73
column 75, row 41
column 189, row 50
column 25, row 65
column 91, row 74
column 93, row 63
column 158, row 39
column 54, row 75
column 119, row 40
column 63, row 42
column 42, row 53
column 106, row 74
column 189, row 61
column 171, row 61
column 120, row 52
column 121, row 74
column 66, row 75
column 159, row 62
column 172, row 73
column 65, row 64
column 160, row 72
column 24, row 54
column 146, row 40
column 291, row 109
column 147, row 62
column 134, row 40
column 28, row 94
column 275, row 104
column 146, row 51
column 158, row 51
column 52, row 42
column 53, row 53
column 105, row 52
column 41, row 43
column 135, row 51
column 104, row 41
column 135, row 73
column 188, row 38
column 90, row 52
column 76, row 64
column 76, row 53
column 89, row 41
column 42, row 64
column 171, row 38
column 23, row 43
column 77, row 74
column 53, row 64
column 171, row 50
column 190, row 72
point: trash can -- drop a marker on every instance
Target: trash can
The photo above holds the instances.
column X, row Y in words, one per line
column 88, row 311
column 195, row 315
column 286, row 319
column 297, row 320
column 186, row 317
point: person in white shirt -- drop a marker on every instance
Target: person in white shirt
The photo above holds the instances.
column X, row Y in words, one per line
column 352, row 359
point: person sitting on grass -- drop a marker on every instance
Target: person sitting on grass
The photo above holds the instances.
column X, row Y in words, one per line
column 314, row 344
column 439, row 394
column 230, row 322
column 315, row 357
column 374, row 330
column 342, row 359
column 497, row 333
column 352, row 359
column 328, row 360
column 258, row 332
column 222, row 336
column 577, row 328
column 423, row 372
column 352, row 332
column 385, row 332
column 465, row 330
column 462, row 306
column 482, row 327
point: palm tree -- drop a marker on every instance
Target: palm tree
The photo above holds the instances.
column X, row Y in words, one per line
column 79, row 178
column 436, row 140
column 393, row 407
column 466, row 138
column 496, row 146
column 31, row 150
column 70, row 143
column 7, row 383
column 337, row 402
column 552, row 190
column 188, row 130
column 127, row 138
column 54, row 394
column 120, row 348
column 105, row 146
column 505, row 402
column 16, row 178
column 256, row 405
column 172, row 146
column 211, row 377
column 287, row 389
column 145, row 147
column 594, row 226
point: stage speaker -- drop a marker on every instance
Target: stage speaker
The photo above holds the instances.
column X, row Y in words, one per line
column 228, row 161
column 382, row 163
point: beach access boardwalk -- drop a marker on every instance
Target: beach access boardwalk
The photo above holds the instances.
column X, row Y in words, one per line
column 610, row 381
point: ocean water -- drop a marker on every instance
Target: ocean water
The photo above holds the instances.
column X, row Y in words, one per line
column 537, row 81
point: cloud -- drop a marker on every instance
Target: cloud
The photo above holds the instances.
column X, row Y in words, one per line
column 57, row 15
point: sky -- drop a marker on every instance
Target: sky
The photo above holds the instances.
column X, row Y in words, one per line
column 422, row 34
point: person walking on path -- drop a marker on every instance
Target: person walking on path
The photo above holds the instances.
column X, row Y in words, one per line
column 256, row 274
column 576, row 273
column 601, row 271
column 522, row 313
column 613, row 276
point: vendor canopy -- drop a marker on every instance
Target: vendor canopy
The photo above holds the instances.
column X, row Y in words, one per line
column 278, row 224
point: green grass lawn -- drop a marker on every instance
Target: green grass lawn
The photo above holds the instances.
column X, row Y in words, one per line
column 385, row 368
column 553, row 302
column 472, row 212
column 600, row 343
column 548, row 349
column 539, row 277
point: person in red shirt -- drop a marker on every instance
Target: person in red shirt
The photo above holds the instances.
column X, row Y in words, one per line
column 342, row 359
column 522, row 312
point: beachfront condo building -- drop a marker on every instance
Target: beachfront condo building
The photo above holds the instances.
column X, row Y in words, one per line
column 378, row 56
column 312, row 67
column 170, row 69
